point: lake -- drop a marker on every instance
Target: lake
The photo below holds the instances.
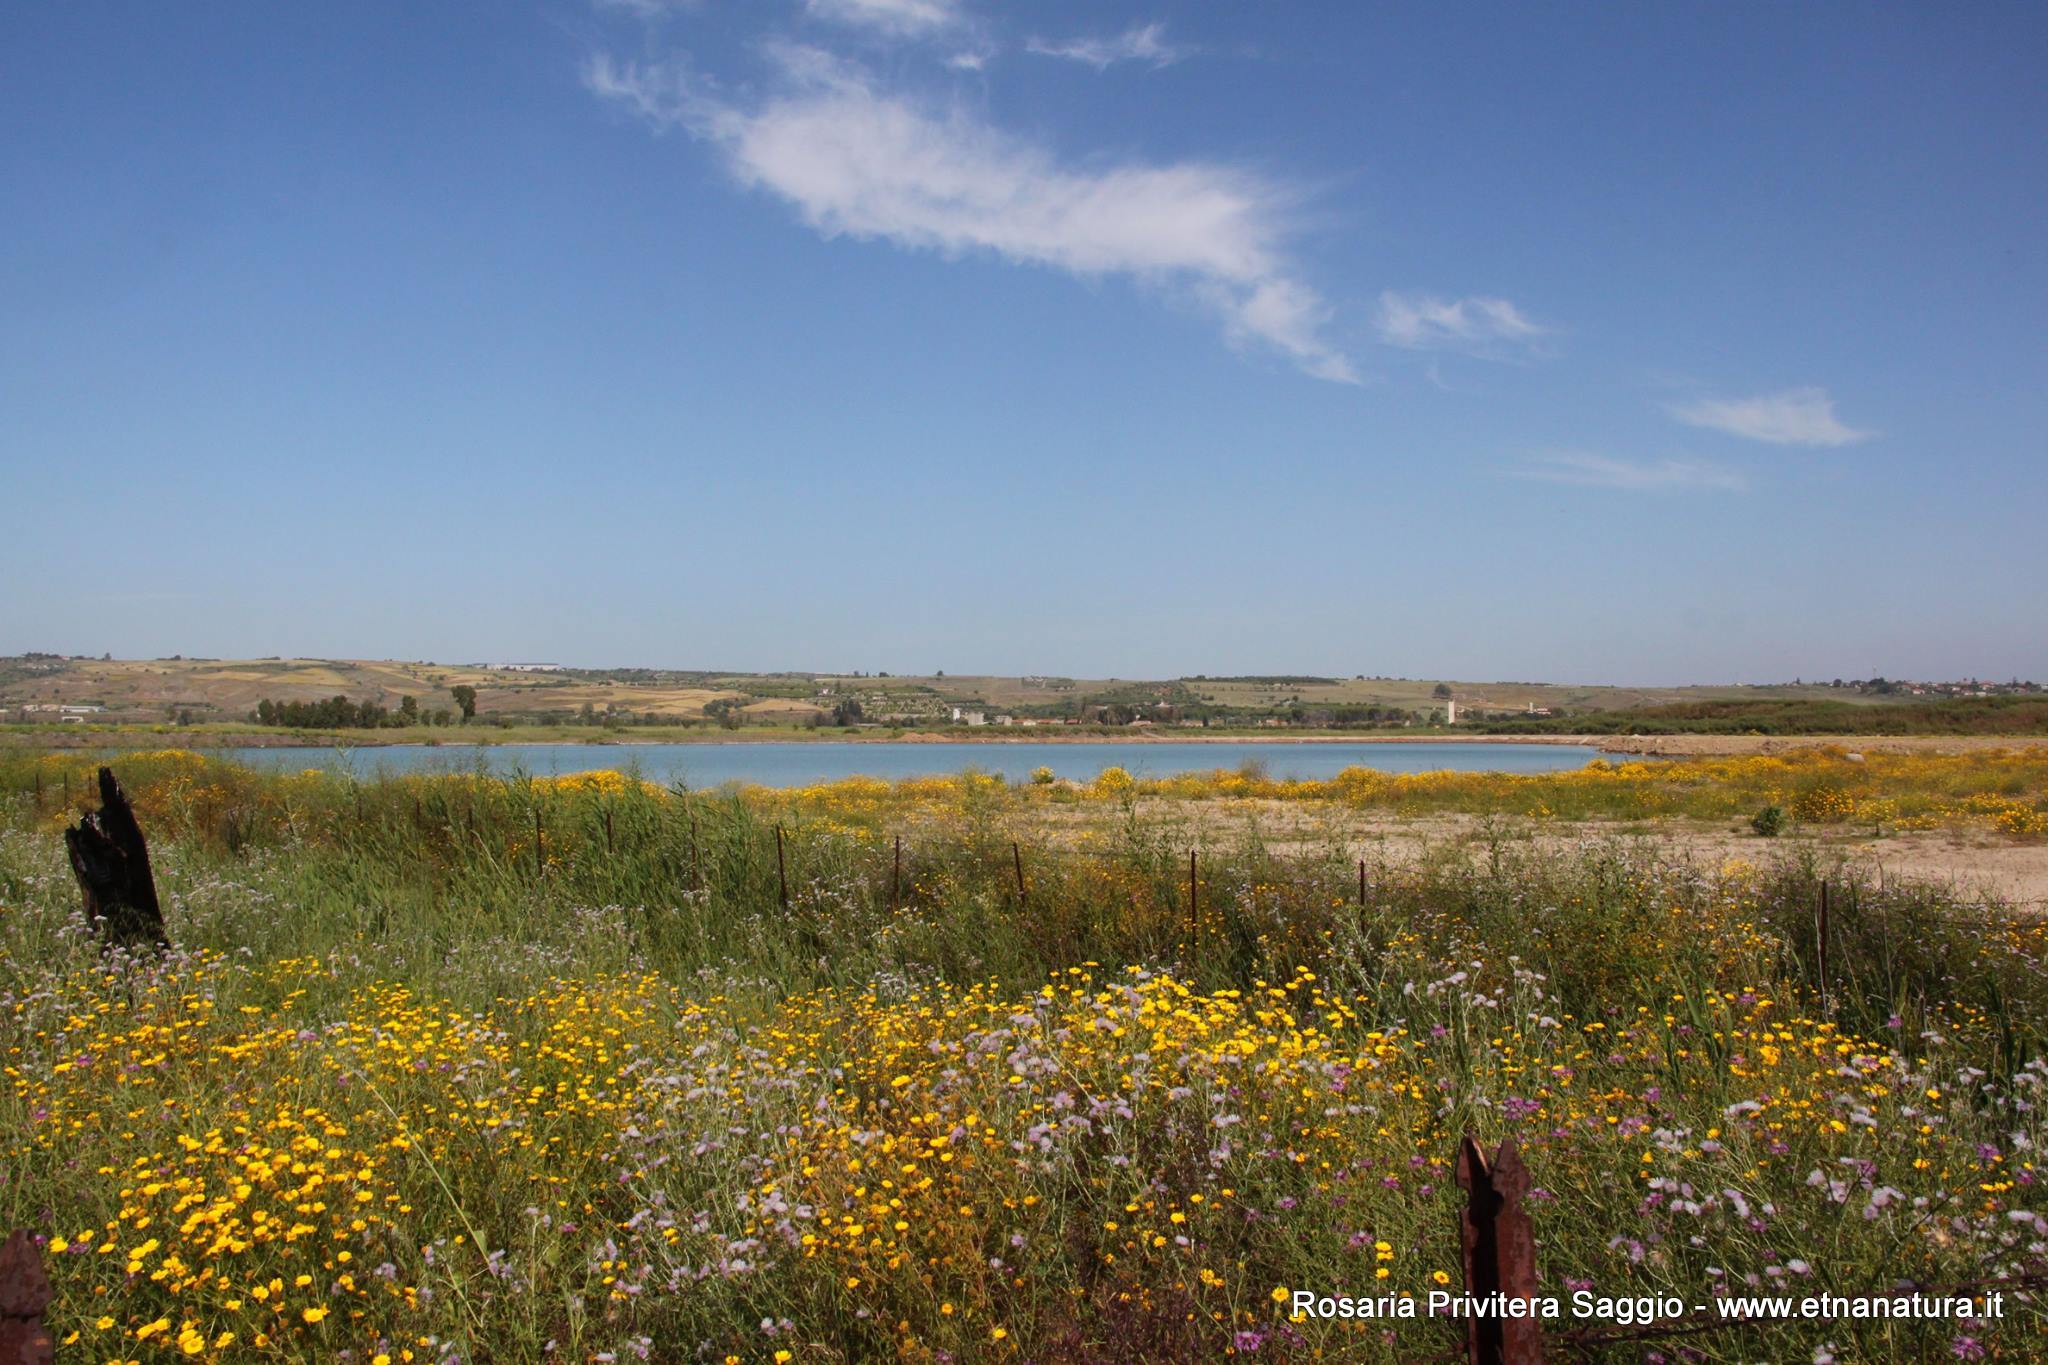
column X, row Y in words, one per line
column 800, row 763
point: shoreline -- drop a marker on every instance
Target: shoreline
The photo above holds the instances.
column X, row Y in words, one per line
column 1665, row 746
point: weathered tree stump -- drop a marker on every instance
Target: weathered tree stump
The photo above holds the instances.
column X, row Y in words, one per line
column 24, row 1294
column 111, row 862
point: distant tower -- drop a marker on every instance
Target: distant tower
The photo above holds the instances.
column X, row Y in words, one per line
column 1451, row 711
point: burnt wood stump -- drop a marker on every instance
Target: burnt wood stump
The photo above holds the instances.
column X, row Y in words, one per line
column 111, row 862
column 24, row 1295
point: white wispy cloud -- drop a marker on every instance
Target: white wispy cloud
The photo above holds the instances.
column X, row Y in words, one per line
column 664, row 94
column 1650, row 476
column 1479, row 326
column 902, row 17
column 1139, row 43
column 1796, row 417
column 858, row 161
column 646, row 9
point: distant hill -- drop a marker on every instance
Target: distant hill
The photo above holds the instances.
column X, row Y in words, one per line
column 53, row 689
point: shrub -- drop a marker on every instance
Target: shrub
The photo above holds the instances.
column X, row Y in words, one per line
column 1114, row 782
column 1769, row 822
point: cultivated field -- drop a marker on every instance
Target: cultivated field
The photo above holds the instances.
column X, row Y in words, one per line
column 580, row 1069
column 220, row 691
column 228, row 689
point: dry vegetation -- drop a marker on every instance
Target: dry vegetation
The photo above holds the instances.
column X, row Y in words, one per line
column 414, row 1084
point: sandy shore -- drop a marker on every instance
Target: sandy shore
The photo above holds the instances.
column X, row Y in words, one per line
column 1717, row 746
column 1976, row 866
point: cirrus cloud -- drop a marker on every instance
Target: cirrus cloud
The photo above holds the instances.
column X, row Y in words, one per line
column 858, row 161
column 1648, row 476
column 899, row 17
column 1139, row 43
column 1795, row 417
column 1477, row 326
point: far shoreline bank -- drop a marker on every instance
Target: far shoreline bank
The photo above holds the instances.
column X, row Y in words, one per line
column 1666, row 746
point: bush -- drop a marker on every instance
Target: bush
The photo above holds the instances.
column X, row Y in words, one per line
column 1769, row 822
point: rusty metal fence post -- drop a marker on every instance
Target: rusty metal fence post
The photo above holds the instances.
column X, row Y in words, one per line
column 24, row 1294
column 1499, row 1247
column 1821, row 947
column 781, row 870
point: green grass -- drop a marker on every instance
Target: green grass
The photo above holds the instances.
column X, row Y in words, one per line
column 1654, row 1033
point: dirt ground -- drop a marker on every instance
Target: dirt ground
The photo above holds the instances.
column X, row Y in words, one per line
column 1976, row 867
column 1725, row 746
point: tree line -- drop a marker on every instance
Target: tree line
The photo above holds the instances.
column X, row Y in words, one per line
column 339, row 713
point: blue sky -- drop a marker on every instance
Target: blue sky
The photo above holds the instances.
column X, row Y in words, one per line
column 1608, row 343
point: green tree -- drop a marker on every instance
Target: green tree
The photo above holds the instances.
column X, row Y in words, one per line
column 465, row 697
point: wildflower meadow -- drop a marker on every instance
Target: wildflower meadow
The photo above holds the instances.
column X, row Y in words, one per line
column 465, row 1068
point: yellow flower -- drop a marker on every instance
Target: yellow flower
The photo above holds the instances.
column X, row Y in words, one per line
column 313, row 1314
column 1440, row 1277
column 1280, row 1293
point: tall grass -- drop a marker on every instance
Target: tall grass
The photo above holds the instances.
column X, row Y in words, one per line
column 568, row 1071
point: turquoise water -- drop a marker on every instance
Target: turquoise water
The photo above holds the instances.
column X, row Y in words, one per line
column 800, row 763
